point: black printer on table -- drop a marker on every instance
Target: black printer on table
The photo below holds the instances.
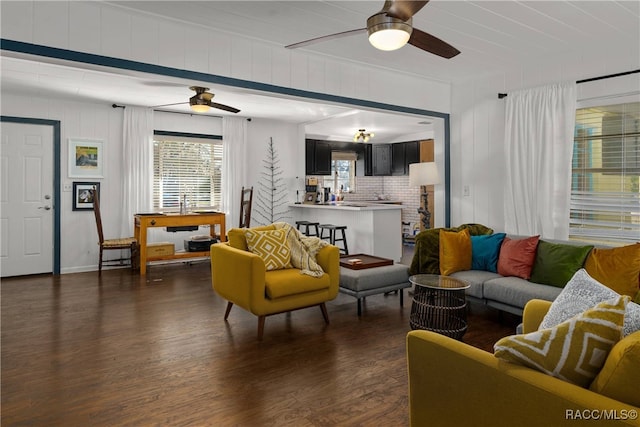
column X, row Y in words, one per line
column 199, row 243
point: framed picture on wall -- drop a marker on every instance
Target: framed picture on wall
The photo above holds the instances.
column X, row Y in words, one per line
column 82, row 197
column 86, row 158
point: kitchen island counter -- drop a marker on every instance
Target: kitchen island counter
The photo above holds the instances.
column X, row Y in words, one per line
column 372, row 228
column 353, row 206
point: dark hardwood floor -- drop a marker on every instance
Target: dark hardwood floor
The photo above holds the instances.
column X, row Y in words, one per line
column 79, row 350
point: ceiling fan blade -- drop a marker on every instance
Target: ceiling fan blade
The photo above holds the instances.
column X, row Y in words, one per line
column 405, row 9
column 169, row 105
column 432, row 44
column 224, row 107
column 326, row 38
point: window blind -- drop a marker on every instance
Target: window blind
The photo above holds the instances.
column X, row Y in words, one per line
column 605, row 187
column 187, row 169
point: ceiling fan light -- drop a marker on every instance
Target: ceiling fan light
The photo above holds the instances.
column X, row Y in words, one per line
column 200, row 108
column 389, row 39
column 388, row 33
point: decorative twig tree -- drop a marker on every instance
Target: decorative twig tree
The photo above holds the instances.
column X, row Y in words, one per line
column 271, row 201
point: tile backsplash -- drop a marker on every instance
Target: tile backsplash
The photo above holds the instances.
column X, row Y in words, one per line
column 391, row 188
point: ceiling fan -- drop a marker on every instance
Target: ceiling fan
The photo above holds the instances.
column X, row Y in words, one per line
column 391, row 28
column 201, row 101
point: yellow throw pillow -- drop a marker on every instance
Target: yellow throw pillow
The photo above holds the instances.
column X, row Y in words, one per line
column 620, row 376
column 616, row 268
column 455, row 251
column 237, row 239
column 271, row 246
column 575, row 350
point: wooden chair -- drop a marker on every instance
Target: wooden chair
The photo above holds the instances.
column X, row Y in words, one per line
column 113, row 244
column 246, row 199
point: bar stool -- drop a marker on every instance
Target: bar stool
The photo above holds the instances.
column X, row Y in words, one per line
column 306, row 225
column 332, row 235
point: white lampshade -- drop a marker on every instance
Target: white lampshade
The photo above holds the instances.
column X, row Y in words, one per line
column 425, row 173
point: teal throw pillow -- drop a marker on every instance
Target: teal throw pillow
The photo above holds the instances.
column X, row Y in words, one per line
column 556, row 263
column 485, row 251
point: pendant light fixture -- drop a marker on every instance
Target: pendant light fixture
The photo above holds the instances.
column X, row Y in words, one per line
column 363, row 135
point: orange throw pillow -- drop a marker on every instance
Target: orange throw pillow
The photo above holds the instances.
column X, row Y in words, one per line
column 517, row 257
column 616, row 268
column 455, row 251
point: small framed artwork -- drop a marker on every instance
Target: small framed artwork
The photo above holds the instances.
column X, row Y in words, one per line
column 309, row 198
column 82, row 196
column 86, row 158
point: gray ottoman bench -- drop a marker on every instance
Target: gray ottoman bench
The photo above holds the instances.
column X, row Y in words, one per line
column 372, row 281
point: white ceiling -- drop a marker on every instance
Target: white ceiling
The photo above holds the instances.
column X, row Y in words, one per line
column 492, row 36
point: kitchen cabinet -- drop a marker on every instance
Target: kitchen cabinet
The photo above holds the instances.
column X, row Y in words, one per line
column 381, row 159
column 317, row 157
column 372, row 159
column 402, row 155
column 397, row 159
column 364, row 163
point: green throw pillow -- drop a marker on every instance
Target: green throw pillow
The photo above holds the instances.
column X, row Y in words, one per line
column 556, row 263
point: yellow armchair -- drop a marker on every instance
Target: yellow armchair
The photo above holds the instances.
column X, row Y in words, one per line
column 240, row 277
column 454, row 384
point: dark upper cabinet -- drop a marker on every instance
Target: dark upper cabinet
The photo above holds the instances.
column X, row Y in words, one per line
column 323, row 158
column 310, row 156
column 411, row 154
column 372, row 159
column 368, row 160
column 381, row 159
column 402, row 155
column 317, row 157
column 397, row 159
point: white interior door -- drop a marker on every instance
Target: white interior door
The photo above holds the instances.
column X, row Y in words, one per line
column 26, row 199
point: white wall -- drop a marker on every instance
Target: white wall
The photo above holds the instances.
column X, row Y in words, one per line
column 289, row 148
column 477, row 123
column 79, row 249
column 104, row 29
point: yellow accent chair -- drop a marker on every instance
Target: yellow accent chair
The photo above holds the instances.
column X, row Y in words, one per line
column 454, row 384
column 240, row 277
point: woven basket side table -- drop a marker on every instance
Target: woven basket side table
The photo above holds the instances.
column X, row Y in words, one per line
column 439, row 305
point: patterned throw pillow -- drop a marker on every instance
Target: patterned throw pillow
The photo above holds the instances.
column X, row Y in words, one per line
column 271, row 246
column 573, row 351
column 581, row 293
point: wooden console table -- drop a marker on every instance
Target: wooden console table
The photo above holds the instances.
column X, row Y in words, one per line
column 142, row 222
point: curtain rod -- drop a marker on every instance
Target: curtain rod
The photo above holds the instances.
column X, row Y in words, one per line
column 592, row 79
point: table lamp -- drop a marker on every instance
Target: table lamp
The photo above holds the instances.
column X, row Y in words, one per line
column 421, row 175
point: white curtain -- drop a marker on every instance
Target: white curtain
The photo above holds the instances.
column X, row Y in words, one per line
column 234, row 172
column 137, row 165
column 539, row 128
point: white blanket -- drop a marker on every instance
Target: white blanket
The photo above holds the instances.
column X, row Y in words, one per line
column 304, row 250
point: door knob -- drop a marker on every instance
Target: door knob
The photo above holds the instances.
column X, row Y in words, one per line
column 46, row 207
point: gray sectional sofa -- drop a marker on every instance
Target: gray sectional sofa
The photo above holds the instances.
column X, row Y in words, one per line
column 508, row 294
